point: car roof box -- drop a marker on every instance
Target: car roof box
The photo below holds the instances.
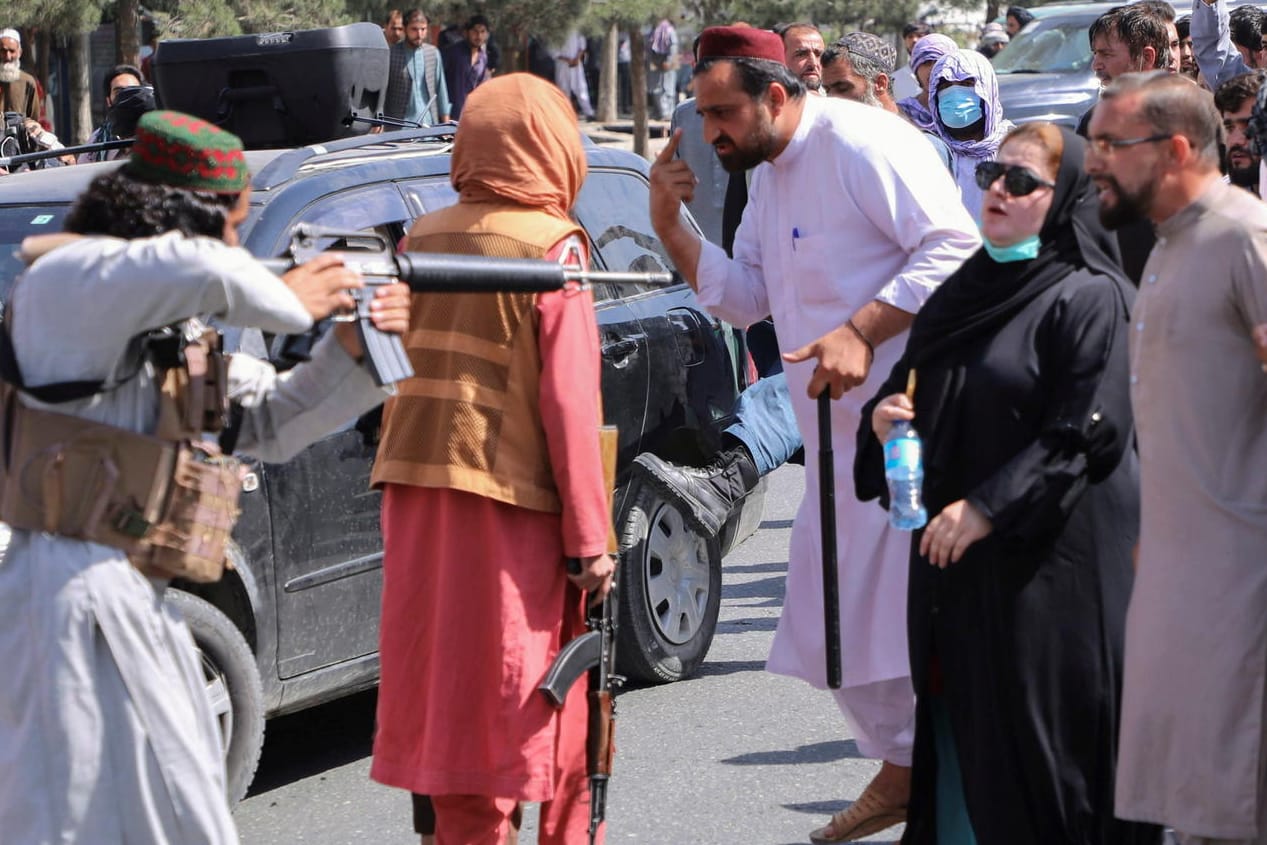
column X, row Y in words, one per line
column 278, row 89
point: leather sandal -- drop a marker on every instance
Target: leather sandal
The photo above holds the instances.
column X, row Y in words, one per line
column 869, row 814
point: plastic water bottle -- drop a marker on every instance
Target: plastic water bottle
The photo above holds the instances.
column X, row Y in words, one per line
column 904, row 470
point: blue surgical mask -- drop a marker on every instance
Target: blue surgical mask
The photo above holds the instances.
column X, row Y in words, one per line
column 958, row 107
column 1023, row 251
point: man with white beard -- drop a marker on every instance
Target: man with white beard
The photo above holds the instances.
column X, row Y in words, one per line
column 19, row 92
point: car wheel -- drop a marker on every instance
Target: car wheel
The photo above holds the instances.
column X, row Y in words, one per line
column 233, row 687
column 670, row 590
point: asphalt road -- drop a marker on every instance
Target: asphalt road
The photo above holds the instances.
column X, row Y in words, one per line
column 732, row 755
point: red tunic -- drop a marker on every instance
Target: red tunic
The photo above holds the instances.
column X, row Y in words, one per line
column 476, row 603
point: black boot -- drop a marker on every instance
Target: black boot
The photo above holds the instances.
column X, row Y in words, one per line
column 705, row 495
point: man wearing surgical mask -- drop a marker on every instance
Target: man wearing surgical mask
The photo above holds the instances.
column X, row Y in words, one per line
column 969, row 116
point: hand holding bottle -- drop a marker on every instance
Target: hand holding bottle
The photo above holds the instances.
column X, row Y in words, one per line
column 890, row 410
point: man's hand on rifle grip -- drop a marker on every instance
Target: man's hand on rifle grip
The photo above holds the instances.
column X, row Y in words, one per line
column 323, row 285
column 389, row 311
column 595, row 576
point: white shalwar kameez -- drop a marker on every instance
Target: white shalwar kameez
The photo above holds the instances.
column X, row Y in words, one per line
column 856, row 208
column 106, row 734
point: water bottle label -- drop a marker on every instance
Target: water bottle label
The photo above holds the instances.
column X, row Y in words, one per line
column 902, row 455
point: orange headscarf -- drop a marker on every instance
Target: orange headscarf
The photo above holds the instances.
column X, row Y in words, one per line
column 518, row 141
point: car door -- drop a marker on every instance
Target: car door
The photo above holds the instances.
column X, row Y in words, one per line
column 626, row 369
column 327, row 544
column 691, row 355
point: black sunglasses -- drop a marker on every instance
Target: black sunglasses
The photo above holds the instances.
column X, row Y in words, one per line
column 1017, row 181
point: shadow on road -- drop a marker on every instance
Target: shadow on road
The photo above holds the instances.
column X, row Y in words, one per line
column 729, row 667
column 316, row 740
column 818, row 752
column 765, row 588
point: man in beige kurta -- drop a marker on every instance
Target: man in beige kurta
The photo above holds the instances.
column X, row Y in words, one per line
column 1191, row 751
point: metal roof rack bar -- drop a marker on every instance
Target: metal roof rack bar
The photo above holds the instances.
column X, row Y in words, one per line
column 282, row 168
column 24, row 158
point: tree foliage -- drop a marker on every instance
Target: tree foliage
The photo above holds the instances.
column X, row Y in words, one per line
column 210, row 18
column 62, row 17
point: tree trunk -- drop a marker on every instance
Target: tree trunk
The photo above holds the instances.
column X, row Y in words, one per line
column 607, row 76
column 127, row 32
column 80, row 79
column 991, row 10
column 638, row 81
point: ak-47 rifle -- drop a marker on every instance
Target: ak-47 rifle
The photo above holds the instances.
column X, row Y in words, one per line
column 375, row 258
column 594, row 652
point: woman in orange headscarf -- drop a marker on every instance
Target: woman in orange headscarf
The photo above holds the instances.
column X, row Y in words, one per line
column 491, row 479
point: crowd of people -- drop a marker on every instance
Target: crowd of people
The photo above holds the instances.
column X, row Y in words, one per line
column 1060, row 615
column 1073, row 650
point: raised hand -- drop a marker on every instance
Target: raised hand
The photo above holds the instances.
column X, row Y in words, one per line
column 672, row 183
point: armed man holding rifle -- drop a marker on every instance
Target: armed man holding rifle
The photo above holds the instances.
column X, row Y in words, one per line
column 108, row 382
column 492, row 479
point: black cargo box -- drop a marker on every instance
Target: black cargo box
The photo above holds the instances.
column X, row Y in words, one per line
column 280, row 89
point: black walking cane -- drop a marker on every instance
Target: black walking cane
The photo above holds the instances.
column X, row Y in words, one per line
column 827, row 519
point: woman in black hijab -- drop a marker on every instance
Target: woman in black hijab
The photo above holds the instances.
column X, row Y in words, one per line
column 1019, row 584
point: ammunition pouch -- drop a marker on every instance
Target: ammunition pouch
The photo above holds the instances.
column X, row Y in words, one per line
column 169, row 501
column 169, row 505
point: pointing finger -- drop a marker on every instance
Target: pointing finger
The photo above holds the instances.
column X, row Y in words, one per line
column 670, row 149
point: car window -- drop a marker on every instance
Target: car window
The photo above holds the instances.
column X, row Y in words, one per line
column 427, row 195
column 16, row 223
column 377, row 209
column 1048, row 46
column 357, row 210
column 613, row 208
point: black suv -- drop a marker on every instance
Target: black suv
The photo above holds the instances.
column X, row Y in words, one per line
column 295, row 622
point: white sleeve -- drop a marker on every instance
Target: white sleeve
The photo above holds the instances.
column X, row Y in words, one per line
column 734, row 289
column 284, row 412
column 910, row 197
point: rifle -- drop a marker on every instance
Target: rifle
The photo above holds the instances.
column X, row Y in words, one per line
column 593, row 652
column 375, row 258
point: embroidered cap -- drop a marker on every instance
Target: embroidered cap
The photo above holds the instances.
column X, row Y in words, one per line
column 740, row 42
column 866, row 45
column 11, row 34
column 187, row 152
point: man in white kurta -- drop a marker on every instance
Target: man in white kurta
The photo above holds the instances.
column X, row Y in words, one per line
column 1193, row 741
column 852, row 222
column 569, row 71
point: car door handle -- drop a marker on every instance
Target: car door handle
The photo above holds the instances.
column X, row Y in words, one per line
column 620, row 348
column 689, row 332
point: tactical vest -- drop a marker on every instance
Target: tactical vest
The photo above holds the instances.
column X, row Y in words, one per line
column 168, row 500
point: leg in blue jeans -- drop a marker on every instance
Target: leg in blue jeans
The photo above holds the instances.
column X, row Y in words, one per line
column 765, row 424
column 762, row 438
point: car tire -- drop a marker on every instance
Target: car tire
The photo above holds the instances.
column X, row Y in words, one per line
column 670, row 590
column 233, row 685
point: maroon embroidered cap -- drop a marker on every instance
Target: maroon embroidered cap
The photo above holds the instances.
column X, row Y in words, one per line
column 740, row 42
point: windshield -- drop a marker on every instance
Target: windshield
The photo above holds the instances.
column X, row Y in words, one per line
column 16, row 222
column 1048, row 46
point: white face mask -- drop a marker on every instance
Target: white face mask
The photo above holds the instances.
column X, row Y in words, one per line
column 10, row 71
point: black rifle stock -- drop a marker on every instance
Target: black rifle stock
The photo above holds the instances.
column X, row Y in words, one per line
column 375, row 258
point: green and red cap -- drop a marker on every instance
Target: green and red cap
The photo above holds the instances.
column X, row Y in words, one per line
column 183, row 151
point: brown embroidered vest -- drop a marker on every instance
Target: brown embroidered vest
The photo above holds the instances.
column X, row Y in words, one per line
column 470, row 418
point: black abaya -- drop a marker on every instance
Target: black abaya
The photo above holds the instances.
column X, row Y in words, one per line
column 1024, row 407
